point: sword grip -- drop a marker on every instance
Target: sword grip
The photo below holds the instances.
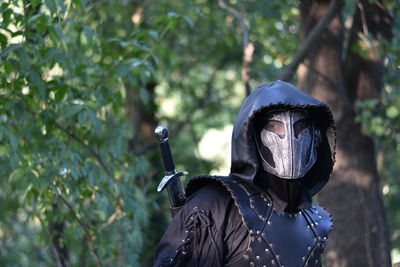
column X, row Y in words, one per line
column 167, row 157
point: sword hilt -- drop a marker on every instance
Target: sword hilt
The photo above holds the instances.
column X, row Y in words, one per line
column 171, row 180
column 161, row 133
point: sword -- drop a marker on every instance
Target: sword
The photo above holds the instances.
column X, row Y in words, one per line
column 171, row 180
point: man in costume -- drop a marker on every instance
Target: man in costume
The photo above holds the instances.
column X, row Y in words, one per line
column 261, row 214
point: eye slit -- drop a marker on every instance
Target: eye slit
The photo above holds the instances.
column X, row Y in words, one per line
column 275, row 127
column 300, row 125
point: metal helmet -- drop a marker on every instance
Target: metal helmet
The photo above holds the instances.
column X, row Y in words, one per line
column 287, row 142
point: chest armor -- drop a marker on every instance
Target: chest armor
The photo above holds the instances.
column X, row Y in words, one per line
column 278, row 240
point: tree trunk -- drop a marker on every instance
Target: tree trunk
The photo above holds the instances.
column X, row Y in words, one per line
column 360, row 236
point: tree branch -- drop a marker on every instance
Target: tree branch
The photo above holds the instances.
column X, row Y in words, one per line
column 248, row 47
column 316, row 32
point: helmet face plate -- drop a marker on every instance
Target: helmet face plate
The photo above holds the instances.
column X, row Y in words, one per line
column 287, row 143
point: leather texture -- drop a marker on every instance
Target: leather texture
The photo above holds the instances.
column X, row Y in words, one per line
column 285, row 240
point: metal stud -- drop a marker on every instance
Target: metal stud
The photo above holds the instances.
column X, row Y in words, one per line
column 251, row 231
column 272, row 261
column 246, row 257
column 269, row 222
column 259, row 239
column 252, row 263
column 309, row 248
column 258, row 258
column 258, row 232
column 303, row 258
column 266, row 250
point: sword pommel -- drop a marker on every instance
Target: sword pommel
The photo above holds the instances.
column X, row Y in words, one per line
column 161, row 132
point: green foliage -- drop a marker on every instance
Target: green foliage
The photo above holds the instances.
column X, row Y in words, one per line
column 63, row 132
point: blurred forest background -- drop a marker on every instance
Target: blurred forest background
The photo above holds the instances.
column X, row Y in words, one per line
column 84, row 83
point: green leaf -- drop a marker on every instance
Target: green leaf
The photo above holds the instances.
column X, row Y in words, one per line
column 71, row 110
column 4, row 150
column 144, row 95
column 392, row 112
column 16, row 175
column 3, row 40
column 13, row 140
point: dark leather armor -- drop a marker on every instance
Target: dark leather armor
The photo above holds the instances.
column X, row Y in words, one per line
column 285, row 240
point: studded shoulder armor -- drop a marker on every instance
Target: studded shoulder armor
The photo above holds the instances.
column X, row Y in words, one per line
column 283, row 240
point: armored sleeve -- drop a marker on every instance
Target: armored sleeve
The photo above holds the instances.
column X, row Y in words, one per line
column 207, row 231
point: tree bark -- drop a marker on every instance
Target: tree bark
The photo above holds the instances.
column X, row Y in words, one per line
column 360, row 236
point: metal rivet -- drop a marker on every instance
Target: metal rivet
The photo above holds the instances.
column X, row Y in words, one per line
column 309, row 248
column 320, row 217
column 258, row 232
column 183, row 240
column 259, row 239
column 195, row 208
column 258, row 257
column 303, row 258
column 324, row 237
column 271, row 245
column 266, row 250
column 246, row 257
column 272, row 261
column 252, row 239
column 277, row 257
column 269, row 204
column 251, row 231
column 269, row 222
column 252, row 263
column 316, row 224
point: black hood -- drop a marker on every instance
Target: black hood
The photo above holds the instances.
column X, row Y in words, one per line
column 273, row 95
